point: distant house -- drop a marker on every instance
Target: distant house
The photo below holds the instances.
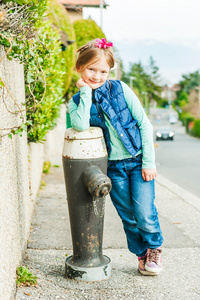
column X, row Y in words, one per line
column 176, row 87
column 169, row 93
column 75, row 7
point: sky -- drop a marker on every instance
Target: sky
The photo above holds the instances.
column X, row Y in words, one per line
column 168, row 30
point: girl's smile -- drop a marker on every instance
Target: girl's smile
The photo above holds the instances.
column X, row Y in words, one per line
column 96, row 74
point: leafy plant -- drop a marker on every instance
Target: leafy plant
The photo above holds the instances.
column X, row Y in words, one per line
column 59, row 17
column 44, row 83
column 196, row 128
column 47, row 70
column 186, row 118
column 25, row 277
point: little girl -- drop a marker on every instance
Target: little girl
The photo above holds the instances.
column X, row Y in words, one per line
column 128, row 134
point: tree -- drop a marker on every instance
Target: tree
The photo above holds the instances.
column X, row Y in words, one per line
column 190, row 81
column 187, row 84
column 146, row 79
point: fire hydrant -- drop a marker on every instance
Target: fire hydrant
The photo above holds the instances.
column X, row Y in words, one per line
column 85, row 166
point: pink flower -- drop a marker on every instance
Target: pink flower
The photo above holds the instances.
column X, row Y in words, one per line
column 103, row 44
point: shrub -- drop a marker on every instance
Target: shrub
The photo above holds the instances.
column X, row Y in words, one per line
column 59, row 17
column 196, row 128
column 87, row 30
column 47, row 70
column 186, row 118
column 44, row 89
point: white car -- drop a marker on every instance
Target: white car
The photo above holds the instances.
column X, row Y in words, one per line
column 164, row 133
column 173, row 119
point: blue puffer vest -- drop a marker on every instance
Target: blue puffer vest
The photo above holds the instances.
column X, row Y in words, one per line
column 109, row 98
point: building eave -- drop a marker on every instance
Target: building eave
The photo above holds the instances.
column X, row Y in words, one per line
column 81, row 4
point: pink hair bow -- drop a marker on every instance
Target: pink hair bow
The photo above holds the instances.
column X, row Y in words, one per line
column 103, row 44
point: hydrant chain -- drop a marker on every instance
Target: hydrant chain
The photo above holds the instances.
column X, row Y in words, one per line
column 95, row 200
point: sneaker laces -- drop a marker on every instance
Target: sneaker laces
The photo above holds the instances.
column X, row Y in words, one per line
column 154, row 255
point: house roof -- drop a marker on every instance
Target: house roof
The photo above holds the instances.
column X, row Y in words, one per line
column 82, row 3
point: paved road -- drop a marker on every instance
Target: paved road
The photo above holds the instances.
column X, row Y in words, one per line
column 178, row 160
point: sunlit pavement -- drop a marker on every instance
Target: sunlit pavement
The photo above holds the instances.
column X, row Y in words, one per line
column 50, row 244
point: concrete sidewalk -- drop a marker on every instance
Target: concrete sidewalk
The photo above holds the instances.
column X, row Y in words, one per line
column 50, row 243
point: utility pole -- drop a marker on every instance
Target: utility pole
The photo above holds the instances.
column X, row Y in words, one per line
column 146, row 104
column 101, row 13
column 131, row 81
column 169, row 96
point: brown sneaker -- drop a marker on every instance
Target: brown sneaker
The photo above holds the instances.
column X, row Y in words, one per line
column 154, row 260
column 141, row 266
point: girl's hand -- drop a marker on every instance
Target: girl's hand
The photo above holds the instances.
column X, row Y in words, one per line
column 149, row 174
column 80, row 83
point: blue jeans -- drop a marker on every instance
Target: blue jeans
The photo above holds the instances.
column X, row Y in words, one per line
column 134, row 200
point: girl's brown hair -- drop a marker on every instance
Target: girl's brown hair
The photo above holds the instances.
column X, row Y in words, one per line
column 90, row 53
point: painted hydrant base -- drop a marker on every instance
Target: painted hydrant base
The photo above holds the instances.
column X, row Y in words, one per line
column 88, row 144
column 88, row 274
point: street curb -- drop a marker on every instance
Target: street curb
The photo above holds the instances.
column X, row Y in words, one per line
column 182, row 193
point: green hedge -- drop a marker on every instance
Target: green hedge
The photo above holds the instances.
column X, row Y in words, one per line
column 45, row 67
column 87, row 30
column 43, row 107
column 58, row 16
column 186, row 118
column 196, row 129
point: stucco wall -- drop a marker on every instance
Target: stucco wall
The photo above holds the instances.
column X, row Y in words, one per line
column 14, row 196
column 54, row 140
column 20, row 175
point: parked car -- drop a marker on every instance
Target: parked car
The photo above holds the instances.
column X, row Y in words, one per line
column 164, row 133
column 172, row 119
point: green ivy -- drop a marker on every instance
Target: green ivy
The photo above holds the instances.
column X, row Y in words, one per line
column 43, row 106
column 45, row 70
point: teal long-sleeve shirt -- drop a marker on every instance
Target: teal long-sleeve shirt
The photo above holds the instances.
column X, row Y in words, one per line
column 79, row 118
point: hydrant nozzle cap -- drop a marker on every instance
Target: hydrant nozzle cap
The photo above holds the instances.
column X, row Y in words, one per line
column 104, row 191
column 98, row 184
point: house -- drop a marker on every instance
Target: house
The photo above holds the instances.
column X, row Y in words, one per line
column 169, row 93
column 75, row 7
column 176, row 87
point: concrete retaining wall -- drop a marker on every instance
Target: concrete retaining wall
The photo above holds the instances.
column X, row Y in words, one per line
column 14, row 189
column 20, row 175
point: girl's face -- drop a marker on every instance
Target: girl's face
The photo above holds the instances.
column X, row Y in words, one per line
column 95, row 74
